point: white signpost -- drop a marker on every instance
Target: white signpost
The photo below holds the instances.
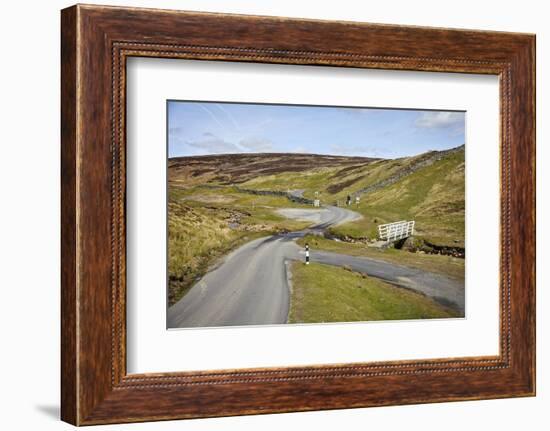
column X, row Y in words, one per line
column 396, row 231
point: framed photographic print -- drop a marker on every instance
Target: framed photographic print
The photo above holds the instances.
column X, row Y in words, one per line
column 265, row 215
column 266, row 223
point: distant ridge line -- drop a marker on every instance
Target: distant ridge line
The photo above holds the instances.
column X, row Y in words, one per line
column 335, row 156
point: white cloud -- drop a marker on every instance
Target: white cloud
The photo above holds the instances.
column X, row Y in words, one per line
column 211, row 144
column 440, row 120
column 300, row 149
column 257, row 144
column 359, row 150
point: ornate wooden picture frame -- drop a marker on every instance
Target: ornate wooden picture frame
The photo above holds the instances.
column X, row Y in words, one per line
column 96, row 42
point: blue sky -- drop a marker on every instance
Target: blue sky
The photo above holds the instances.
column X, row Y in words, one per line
column 198, row 128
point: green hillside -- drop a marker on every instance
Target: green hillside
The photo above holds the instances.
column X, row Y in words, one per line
column 332, row 182
column 428, row 188
column 433, row 196
column 208, row 215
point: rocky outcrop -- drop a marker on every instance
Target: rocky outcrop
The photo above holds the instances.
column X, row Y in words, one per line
column 415, row 245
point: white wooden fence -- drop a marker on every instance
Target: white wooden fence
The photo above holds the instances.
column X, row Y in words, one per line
column 395, row 231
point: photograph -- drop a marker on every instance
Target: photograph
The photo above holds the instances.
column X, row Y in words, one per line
column 300, row 214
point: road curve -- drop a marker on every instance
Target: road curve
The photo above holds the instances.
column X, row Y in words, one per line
column 249, row 285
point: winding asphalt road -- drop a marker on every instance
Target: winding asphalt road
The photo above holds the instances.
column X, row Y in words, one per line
column 249, row 286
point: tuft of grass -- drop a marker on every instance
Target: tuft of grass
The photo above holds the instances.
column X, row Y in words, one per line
column 323, row 293
column 364, row 228
column 196, row 238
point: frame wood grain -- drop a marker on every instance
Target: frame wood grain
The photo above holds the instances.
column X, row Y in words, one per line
column 95, row 43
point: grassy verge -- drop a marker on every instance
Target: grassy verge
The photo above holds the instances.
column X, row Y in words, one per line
column 446, row 265
column 364, row 228
column 322, row 293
